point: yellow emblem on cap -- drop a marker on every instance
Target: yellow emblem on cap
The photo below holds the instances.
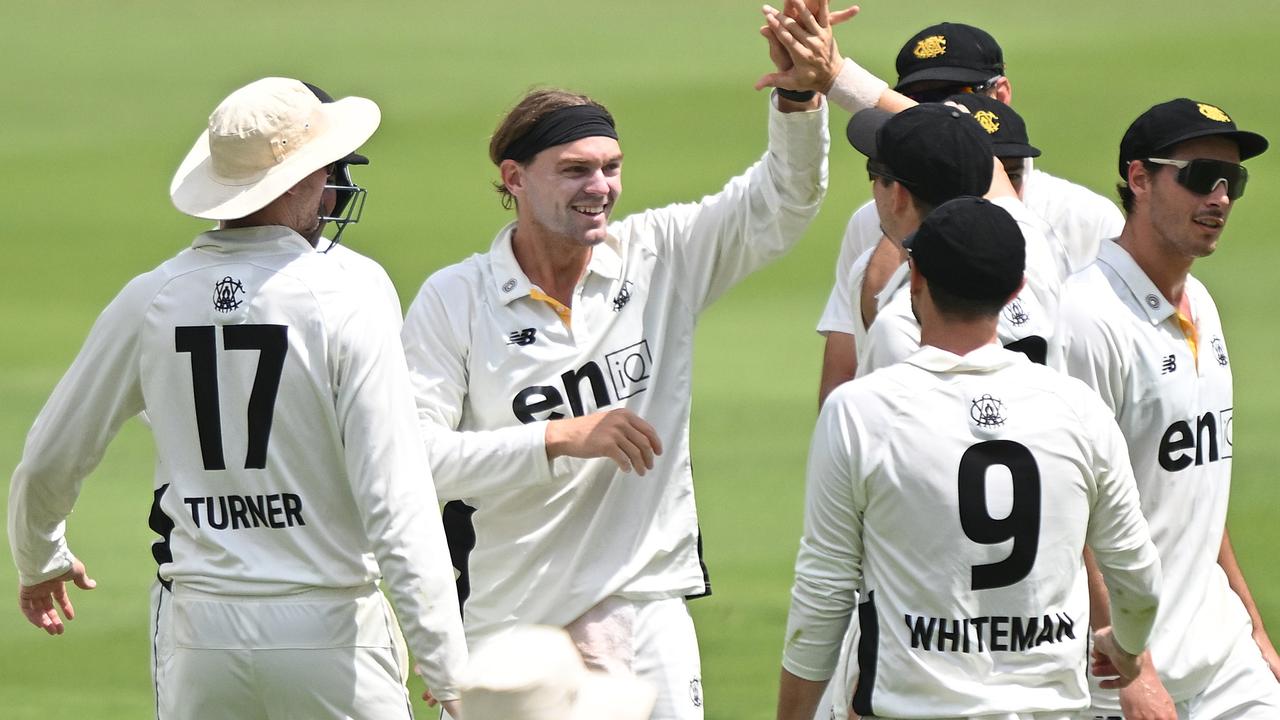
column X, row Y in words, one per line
column 931, row 47
column 988, row 120
column 1213, row 113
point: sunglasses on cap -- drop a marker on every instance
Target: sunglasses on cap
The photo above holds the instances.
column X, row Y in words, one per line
column 877, row 170
column 1202, row 175
column 940, row 93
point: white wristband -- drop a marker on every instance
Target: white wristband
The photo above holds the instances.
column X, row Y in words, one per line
column 856, row 89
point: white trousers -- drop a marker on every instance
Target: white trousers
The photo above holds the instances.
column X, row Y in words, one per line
column 318, row 654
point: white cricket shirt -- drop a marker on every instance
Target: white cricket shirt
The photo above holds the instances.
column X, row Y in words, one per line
column 1079, row 217
column 952, row 498
column 1121, row 336
column 843, row 312
column 1026, row 322
column 287, row 450
column 543, row 542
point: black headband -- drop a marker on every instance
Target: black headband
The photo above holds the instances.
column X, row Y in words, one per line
column 559, row 127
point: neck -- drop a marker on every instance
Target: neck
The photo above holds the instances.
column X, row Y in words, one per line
column 279, row 212
column 552, row 262
column 959, row 337
column 1167, row 271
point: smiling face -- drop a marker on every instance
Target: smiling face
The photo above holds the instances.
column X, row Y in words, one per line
column 1185, row 223
column 568, row 191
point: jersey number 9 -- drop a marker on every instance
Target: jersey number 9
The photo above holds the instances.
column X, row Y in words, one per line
column 1021, row 525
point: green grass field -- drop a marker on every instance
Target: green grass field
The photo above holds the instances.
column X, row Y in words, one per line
column 102, row 100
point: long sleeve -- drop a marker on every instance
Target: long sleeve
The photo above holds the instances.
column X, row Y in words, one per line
column 386, row 461
column 1120, row 539
column 98, row 393
column 829, row 563
column 754, row 219
column 464, row 463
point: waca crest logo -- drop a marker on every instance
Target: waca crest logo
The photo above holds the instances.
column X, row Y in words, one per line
column 987, row 411
column 226, row 294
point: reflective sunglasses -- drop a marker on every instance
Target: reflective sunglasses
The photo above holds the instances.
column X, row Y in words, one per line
column 1202, row 175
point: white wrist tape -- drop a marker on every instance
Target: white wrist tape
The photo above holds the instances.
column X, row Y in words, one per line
column 856, row 89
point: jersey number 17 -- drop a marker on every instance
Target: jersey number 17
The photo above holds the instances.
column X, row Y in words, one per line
column 272, row 344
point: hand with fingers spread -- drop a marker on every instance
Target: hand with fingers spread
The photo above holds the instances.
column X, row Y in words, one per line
column 619, row 435
column 37, row 601
column 802, row 45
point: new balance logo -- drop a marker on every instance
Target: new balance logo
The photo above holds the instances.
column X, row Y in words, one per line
column 522, row 337
column 1169, row 364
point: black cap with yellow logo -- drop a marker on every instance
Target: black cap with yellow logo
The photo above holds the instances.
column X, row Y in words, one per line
column 1169, row 123
column 1006, row 128
column 970, row 247
column 950, row 52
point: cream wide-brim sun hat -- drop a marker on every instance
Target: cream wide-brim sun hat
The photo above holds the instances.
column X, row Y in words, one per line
column 261, row 141
column 534, row 672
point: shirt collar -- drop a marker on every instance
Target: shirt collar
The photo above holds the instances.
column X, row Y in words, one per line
column 985, row 359
column 510, row 281
column 1145, row 293
column 257, row 238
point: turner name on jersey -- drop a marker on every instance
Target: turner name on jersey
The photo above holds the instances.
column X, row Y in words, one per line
column 238, row 512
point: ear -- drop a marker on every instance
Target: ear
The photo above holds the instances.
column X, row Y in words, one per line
column 917, row 280
column 1017, row 292
column 1139, row 178
column 1004, row 91
column 512, row 174
column 899, row 197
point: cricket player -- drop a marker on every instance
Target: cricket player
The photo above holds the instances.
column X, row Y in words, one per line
column 1145, row 333
column 914, row 158
column 289, row 464
column 939, row 61
column 949, row 499
column 553, row 376
column 342, row 206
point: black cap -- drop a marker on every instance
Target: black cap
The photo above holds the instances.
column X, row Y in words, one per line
column 952, row 52
column 936, row 151
column 970, row 247
column 1169, row 123
column 1005, row 127
column 353, row 158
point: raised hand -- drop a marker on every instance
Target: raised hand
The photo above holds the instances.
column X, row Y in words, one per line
column 808, row 43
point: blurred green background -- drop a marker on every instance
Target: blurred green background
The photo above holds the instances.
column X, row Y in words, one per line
column 101, row 101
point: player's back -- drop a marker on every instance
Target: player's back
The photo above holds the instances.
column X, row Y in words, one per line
column 246, row 349
column 977, row 476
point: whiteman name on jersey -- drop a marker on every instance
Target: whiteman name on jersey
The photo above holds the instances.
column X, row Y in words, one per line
column 996, row 633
